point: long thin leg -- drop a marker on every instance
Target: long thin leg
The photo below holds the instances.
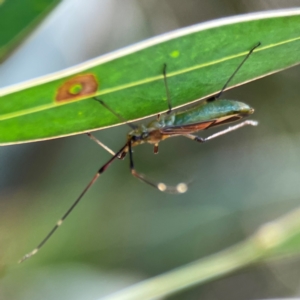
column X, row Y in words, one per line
column 58, row 224
column 93, row 138
column 179, row 189
column 167, row 88
column 234, row 73
column 229, row 129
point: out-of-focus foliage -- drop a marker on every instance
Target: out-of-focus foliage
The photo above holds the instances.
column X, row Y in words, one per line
column 18, row 18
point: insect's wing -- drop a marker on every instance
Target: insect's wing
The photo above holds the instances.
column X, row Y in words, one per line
column 184, row 129
column 189, row 128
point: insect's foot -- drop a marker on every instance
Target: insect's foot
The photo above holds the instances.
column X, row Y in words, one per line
column 25, row 257
column 251, row 122
column 179, row 189
column 182, row 188
column 162, row 187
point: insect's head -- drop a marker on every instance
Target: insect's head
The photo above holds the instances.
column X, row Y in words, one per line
column 139, row 134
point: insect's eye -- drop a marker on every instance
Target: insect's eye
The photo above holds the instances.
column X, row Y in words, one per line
column 135, row 138
column 145, row 135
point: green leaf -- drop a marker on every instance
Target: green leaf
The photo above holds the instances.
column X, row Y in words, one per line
column 199, row 60
column 19, row 18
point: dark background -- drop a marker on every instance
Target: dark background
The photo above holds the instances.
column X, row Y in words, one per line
column 124, row 231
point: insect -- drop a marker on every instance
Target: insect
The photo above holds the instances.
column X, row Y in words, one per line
column 207, row 114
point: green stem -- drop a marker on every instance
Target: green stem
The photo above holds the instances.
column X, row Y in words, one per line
column 268, row 237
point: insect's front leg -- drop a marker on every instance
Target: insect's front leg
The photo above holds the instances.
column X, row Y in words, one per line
column 93, row 138
column 229, row 129
column 70, row 209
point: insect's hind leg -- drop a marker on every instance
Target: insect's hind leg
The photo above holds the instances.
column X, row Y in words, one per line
column 233, row 74
column 229, row 129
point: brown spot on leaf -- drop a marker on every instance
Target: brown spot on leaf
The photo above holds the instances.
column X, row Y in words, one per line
column 76, row 87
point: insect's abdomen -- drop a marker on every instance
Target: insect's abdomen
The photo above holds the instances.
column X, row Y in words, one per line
column 212, row 110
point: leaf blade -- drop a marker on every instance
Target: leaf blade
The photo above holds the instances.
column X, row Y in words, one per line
column 199, row 58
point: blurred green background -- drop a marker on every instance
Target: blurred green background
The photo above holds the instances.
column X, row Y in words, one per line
column 124, row 231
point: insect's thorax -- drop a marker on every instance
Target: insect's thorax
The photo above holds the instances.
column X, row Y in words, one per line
column 151, row 133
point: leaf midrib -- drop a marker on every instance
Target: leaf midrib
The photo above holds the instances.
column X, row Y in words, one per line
column 139, row 82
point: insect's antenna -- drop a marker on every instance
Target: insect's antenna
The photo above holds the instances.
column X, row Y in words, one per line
column 179, row 189
column 167, row 88
column 116, row 114
column 237, row 69
column 58, row 224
